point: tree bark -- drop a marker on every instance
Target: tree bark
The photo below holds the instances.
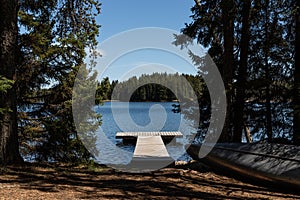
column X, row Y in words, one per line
column 267, row 74
column 296, row 121
column 248, row 134
column 242, row 74
column 9, row 146
column 228, row 59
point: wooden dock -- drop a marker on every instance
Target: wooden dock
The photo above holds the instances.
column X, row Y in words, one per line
column 150, row 152
column 131, row 137
column 136, row 134
column 150, row 147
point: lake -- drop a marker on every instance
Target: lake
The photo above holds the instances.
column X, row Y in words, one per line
column 138, row 116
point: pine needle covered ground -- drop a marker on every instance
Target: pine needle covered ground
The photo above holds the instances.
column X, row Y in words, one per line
column 36, row 181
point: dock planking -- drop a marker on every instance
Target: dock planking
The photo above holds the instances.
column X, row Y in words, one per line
column 136, row 134
column 150, row 147
column 150, row 150
column 131, row 137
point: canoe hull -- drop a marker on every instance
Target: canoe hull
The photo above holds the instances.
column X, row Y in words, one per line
column 271, row 163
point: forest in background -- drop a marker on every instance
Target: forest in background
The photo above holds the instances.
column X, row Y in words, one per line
column 152, row 92
column 254, row 43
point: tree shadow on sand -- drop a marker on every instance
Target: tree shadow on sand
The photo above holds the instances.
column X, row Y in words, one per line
column 102, row 182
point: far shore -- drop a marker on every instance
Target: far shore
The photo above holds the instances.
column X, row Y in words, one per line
column 137, row 101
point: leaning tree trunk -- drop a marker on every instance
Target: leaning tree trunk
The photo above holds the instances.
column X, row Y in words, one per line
column 296, row 137
column 9, row 146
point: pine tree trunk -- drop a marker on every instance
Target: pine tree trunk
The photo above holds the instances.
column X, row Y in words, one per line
column 296, row 136
column 269, row 113
column 9, row 147
column 267, row 75
column 242, row 74
column 228, row 30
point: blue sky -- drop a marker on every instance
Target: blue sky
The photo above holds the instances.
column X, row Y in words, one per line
column 120, row 15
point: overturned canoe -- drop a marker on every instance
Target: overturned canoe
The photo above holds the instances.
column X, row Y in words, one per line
column 273, row 163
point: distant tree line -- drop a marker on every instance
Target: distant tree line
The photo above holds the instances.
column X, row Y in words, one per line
column 152, row 87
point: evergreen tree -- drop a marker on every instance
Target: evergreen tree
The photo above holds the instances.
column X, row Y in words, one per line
column 228, row 18
column 213, row 27
column 248, row 42
column 242, row 72
column 9, row 146
column 104, row 89
column 269, row 69
column 52, row 48
column 154, row 87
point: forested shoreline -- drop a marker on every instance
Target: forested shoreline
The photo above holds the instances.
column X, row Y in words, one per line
column 157, row 92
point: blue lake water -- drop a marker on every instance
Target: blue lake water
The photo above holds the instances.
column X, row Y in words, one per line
column 138, row 116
